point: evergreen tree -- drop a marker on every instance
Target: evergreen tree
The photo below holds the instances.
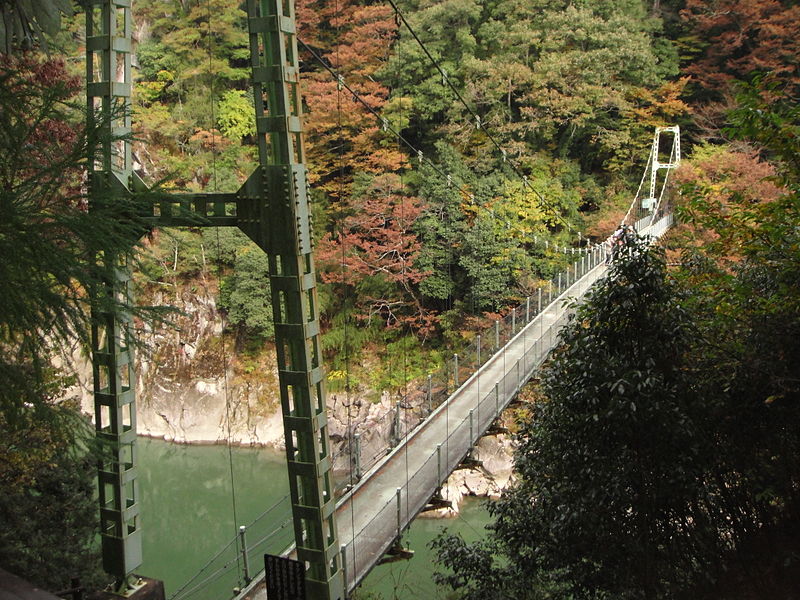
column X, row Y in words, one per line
column 608, row 501
column 50, row 277
column 47, row 232
column 661, row 461
column 48, row 507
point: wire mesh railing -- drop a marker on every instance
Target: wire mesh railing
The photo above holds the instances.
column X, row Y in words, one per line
column 486, row 393
column 374, row 536
column 423, row 397
column 228, row 569
column 462, row 399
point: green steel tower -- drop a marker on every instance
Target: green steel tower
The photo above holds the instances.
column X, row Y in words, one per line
column 272, row 209
column 108, row 91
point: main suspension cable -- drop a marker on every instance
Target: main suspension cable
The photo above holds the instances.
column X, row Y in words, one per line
column 414, row 150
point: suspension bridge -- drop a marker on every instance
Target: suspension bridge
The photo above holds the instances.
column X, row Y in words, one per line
column 338, row 541
column 373, row 515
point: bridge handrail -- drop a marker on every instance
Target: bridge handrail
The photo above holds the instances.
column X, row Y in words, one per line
column 394, row 516
column 382, row 526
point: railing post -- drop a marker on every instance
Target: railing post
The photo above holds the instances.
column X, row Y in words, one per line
column 559, row 284
column 438, row 465
column 527, row 310
column 496, row 399
column 513, row 321
column 430, row 394
column 357, row 455
column 478, row 409
column 343, row 552
column 455, row 369
column 471, row 427
column 539, row 301
column 549, row 292
column 478, row 349
column 399, row 525
column 519, row 381
column 497, row 334
column 245, row 562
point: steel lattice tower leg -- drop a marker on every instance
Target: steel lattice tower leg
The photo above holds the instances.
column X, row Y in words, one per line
column 272, row 209
column 108, row 89
column 285, row 234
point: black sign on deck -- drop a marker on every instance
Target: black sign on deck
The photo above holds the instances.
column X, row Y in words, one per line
column 286, row 578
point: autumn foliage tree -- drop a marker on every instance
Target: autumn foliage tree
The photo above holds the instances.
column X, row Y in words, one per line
column 375, row 255
column 343, row 136
column 740, row 37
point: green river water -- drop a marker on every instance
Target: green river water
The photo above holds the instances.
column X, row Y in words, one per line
column 187, row 519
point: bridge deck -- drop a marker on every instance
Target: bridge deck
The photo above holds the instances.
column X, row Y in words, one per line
column 388, row 498
column 390, row 495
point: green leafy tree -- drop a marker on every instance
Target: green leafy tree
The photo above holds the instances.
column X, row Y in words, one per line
column 440, row 227
column 448, row 30
column 562, row 76
column 245, row 293
column 50, row 277
column 744, row 283
column 608, row 503
column 192, row 55
column 237, row 118
column 482, row 235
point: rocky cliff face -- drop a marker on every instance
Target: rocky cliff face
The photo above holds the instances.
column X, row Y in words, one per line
column 193, row 388
column 495, row 474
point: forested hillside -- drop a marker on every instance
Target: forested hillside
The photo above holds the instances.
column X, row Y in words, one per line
column 457, row 150
column 570, row 92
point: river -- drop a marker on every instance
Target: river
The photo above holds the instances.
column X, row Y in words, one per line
column 187, row 519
